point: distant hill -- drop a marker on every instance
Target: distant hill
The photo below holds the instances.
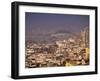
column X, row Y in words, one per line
column 52, row 37
column 63, row 31
column 62, row 34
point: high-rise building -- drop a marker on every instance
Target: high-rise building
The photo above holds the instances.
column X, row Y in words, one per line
column 85, row 37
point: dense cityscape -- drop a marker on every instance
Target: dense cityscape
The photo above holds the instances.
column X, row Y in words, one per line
column 69, row 51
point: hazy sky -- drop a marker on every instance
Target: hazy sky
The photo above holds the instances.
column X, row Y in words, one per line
column 43, row 23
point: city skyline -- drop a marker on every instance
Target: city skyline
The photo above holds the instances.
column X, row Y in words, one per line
column 58, row 40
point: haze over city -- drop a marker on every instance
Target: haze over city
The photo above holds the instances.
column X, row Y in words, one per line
column 45, row 23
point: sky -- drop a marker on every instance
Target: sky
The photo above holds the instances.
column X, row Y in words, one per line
column 44, row 23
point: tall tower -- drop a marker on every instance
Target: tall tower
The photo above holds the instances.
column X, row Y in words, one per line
column 85, row 37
